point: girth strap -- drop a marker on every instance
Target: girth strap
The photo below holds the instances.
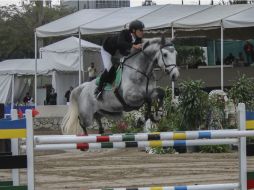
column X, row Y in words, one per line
column 126, row 107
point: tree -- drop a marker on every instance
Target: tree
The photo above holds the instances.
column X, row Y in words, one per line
column 17, row 25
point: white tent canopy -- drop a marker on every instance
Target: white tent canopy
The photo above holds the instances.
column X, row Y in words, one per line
column 210, row 18
column 12, row 70
column 70, row 44
column 26, row 67
column 117, row 20
column 70, row 24
column 66, row 52
column 164, row 17
column 60, row 60
column 92, row 21
column 242, row 19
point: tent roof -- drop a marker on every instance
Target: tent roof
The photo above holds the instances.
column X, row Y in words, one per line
column 164, row 17
column 27, row 67
column 91, row 21
column 117, row 20
column 210, row 17
column 70, row 44
column 154, row 17
column 242, row 19
column 70, row 24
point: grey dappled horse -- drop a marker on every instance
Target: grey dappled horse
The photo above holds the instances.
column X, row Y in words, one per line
column 138, row 85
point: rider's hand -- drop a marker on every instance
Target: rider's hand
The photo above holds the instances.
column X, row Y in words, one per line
column 137, row 46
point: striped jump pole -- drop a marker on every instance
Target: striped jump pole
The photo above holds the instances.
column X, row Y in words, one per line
column 188, row 135
column 134, row 144
column 15, row 129
column 249, row 120
column 226, row 186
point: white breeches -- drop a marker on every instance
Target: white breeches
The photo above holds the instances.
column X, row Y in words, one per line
column 106, row 59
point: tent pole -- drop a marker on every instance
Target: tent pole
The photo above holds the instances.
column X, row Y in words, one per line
column 12, row 91
column 35, row 74
column 221, row 50
column 173, row 83
column 214, row 54
column 79, row 36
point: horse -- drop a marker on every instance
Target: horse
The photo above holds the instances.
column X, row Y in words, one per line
column 138, row 85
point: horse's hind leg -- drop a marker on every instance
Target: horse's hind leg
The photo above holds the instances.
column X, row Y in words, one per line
column 98, row 117
column 85, row 120
column 83, row 126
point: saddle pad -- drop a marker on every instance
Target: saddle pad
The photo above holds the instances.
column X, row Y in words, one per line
column 116, row 82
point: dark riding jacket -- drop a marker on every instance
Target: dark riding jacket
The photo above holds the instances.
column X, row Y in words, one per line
column 122, row 42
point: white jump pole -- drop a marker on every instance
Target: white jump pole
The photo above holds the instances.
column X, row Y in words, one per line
column 242, row 148
column 15, row 151
column 30, row 150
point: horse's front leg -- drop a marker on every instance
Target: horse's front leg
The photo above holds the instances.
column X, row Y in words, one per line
column 98, row 117
column 148, row 109
column 158, row 96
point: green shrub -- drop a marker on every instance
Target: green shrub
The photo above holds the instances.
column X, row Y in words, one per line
column 193, row 105
column 215, row 149
column 242, row 91
column 168, row 150
column 171, row 120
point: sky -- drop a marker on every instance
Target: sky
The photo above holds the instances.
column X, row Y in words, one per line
column 132, row 2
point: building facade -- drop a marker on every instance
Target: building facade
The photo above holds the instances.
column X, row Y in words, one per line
column 95, row 4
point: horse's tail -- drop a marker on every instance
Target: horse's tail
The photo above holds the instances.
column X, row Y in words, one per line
column 70, row 123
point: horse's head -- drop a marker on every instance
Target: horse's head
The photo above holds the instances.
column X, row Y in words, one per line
column 164, row 54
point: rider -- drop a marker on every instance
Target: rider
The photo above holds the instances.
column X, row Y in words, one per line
column 122, row 44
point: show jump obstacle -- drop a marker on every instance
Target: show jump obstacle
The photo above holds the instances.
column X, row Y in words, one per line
column 23, row 128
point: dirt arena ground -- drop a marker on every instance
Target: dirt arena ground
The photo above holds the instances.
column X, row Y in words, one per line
column 77, row 170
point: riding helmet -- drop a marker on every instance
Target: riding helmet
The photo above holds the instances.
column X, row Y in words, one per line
column 136, row 25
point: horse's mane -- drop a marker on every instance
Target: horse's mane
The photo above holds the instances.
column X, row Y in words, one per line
column 152, row 40
column 156, row 40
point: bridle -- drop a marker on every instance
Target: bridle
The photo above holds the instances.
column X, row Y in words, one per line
column 151, row 60
column 147, row 74
column 163, row 60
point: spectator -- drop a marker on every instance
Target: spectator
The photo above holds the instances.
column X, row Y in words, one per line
column 91, row 72
column 248, row 49
column 230, row 59
column 52, row 97
column 68, row 94
column 27, row 99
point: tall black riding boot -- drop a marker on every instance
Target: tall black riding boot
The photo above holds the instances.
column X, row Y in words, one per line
column 111, row 75
column 99, row 90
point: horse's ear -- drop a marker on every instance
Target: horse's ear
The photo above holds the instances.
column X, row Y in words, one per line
column 163, row 40
column 145, row 45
